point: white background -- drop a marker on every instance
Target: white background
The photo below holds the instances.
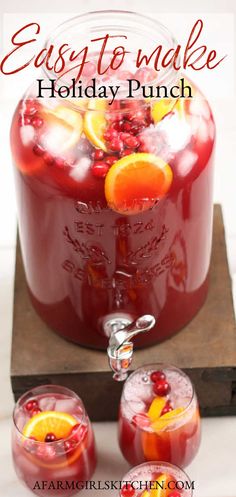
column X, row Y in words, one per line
column 214, row 468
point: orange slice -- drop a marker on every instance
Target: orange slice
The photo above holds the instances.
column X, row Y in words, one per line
column 161, row 108
column 166, row 419
column 152, row 446
column 135, row 182
column 59, row 423
column 163, row 480
column 156, row 407
column 97, row 104
column 95, row 123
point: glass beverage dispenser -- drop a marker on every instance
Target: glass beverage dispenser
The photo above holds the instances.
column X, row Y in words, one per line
column 114, row 199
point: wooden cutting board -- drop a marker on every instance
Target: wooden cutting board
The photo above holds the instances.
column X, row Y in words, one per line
column 205, row 349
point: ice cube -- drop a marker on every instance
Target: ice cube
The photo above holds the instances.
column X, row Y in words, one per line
column 47, row 403
column 133, row 407
column 80, row 169
column 66, row 405
column 56, row 138
column 27, row 134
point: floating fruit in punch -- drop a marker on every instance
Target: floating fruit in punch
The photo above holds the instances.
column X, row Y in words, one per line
column 166, row 419
column 135, row 182
column 128, row 490
column 161, row 108
column 157, row 375
column 95, row 123
column 159, row 427
column 58, row 423
column 156, row 408
column 161, row 388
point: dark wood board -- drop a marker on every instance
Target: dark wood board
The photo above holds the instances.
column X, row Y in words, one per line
column 205, row 348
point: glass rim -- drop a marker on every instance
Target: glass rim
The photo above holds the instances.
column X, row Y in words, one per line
column 52, row 387
column 143, row 20
column 159, row 464
column 159, row 366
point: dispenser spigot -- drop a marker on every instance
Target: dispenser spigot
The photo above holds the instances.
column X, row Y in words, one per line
column 120, row 349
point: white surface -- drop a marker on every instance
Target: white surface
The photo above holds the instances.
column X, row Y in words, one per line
column 214, row 467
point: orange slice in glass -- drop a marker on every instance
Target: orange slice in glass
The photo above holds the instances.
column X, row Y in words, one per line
column 156, row 407
column 162, row 422
column 161, row 490
column 134, row 183
column 152, row 446
column 59, row 423
column 94, row 127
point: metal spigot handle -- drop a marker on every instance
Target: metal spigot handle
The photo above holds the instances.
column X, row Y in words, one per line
column 120, row 349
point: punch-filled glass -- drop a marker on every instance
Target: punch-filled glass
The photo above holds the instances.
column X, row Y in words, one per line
column 115, row 201
column 159, row 416
column 156, row 479
column 53, row 444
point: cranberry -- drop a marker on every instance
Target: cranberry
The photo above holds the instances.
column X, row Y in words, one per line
column 126, row 126
column 157, row 375
column 166, row 408
column 60, row 163
column 116, row 145
column 38, row 150
column 161, row 388
column 48, row 158
column 118, row 125
column 132, row 142
column 123, row 135
column 110, row 134
column 31, row 109
column 100, row 169
column 24, row 120
column 35, row 411
column 137, row 126
column 70, row 445
column 142, row 148
column 111, row 159
column 127, row 490
column 50, row 437
column 37, row 122
column 128, row 151
column 98, row 154
column 31, row 404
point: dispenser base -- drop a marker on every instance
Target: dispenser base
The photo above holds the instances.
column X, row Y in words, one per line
column 205, row 348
